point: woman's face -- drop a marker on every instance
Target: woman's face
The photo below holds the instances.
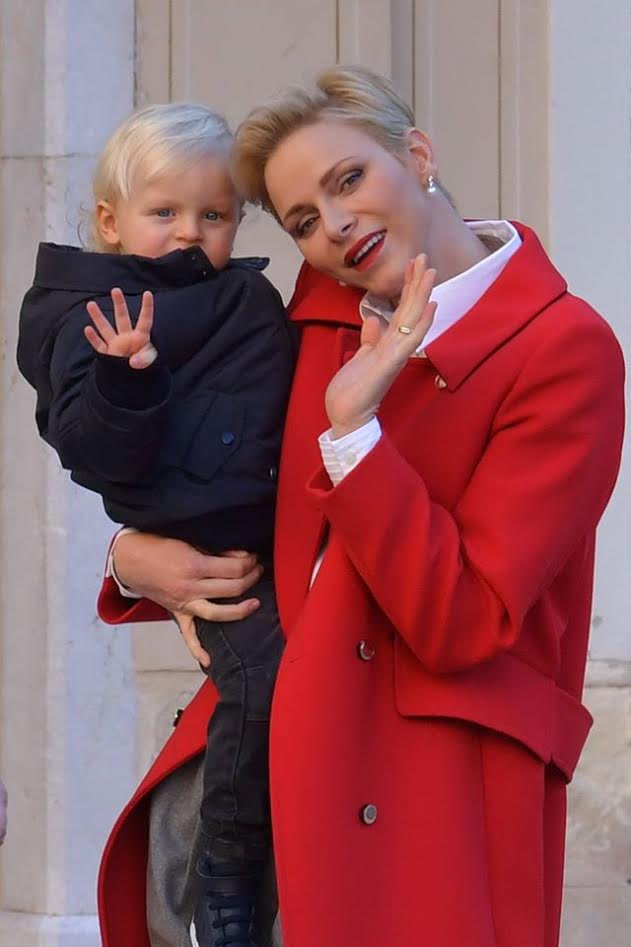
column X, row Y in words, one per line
column 355, row 210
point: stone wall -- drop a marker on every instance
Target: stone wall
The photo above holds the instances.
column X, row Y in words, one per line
column 83, row 709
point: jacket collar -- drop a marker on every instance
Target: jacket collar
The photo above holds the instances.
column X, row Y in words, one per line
column 527, row 285
column 73, row 269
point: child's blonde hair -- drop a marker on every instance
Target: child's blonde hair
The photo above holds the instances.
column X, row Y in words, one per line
column 349, row 94
column 153, row 141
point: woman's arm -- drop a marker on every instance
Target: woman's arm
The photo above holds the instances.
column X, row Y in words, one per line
column 458, row 584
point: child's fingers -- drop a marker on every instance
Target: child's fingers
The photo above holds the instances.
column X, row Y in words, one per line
column 145, row 357
column 95, row 340
column 103, row 327
column 121, row 312
column 145, row 317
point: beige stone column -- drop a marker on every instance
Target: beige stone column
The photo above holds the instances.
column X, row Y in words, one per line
column 67, row 712
column 590, row 237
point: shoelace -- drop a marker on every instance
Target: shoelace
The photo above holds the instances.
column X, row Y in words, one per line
column 240, row 920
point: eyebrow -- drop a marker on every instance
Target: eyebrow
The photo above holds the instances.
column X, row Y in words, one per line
column 323, row 182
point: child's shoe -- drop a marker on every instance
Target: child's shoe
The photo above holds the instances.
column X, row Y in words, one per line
column 226, row 904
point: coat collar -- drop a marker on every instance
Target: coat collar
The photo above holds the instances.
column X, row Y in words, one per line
column 72, row 269
column 527, row 285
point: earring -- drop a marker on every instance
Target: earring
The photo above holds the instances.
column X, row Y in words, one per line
column 431, row 185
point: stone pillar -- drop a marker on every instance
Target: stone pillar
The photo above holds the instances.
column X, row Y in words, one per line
column 590, row 229
column 67, row 712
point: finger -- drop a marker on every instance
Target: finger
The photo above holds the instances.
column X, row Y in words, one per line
column 145, row 317
column 95, row 340
column 145, row 357
column 412, row 311
column 215, row 611
column 102, row 325
column 204, row 566
column 186, row 624
column 222, row 588
column 372, row 331
column 121, row 312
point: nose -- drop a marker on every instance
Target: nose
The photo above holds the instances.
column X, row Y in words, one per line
column 188, row 228
column 338, row 222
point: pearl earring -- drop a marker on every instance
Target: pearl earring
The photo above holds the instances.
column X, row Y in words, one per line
column 431, row 185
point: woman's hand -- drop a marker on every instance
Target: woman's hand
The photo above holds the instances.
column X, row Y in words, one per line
column 126, row 341
column 355, row 392
column 182, row 579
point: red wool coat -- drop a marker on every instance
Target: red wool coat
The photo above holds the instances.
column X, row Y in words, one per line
column 427, row 714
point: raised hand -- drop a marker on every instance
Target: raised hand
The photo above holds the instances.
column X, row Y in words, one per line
column 127, row 341
column 355, row 392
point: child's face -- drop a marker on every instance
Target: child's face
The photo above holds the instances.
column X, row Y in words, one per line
column 194, row 206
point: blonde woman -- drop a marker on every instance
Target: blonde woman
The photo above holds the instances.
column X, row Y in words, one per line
column 442, row 476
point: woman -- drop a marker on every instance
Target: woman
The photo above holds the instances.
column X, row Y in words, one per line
column 427, row 714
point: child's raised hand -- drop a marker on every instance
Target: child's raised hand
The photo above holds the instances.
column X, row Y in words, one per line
column 127, row 341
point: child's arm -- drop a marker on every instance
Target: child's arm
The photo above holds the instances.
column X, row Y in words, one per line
column 106, row 416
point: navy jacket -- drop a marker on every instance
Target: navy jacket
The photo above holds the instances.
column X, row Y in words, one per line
column 188, row 447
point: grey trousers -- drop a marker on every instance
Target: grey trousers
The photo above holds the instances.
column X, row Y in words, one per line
column 174, row 846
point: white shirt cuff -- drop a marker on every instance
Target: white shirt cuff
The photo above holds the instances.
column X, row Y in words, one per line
column 341, row 455
column 110, row 569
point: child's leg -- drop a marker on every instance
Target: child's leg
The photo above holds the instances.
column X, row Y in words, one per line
column 235, row 804
column 235, row 810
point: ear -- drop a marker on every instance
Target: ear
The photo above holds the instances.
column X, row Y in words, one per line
column 420, row 151
column 107, row 223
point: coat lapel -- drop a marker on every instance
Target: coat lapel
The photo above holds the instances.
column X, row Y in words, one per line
column 328, row 318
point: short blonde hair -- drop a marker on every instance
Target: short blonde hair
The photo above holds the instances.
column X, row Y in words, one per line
column 154, row 141
column 350, row 94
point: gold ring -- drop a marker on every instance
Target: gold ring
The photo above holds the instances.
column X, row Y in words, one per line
column 404, row 330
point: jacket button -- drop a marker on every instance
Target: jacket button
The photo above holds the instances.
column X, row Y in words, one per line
column 176, row 718
column 227, row 438
column 440, row 382
column 365, row 651
column 368, row 814
column 273, row 472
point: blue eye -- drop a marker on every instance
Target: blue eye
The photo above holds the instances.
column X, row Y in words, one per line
column 352, row 178
column 304, row 226
column 212, row 215
column 163, row 212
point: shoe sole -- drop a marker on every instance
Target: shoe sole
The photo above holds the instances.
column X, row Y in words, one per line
column 193, row 934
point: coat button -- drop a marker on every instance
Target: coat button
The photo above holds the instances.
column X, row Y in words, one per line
column 227, row 438
column 273, row 472
column 368, row 814
column 365, row 651
column 440, row 382
column 176, row 718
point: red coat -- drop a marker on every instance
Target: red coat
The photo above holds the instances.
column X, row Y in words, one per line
column 427, row 712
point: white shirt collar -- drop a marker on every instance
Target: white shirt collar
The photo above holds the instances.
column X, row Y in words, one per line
column 458, row 295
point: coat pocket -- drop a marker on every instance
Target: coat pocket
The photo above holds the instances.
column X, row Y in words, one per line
column 204, row 432
column 505, row 695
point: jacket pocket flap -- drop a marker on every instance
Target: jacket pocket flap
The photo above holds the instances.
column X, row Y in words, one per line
column 204, row 432
column 505, row 695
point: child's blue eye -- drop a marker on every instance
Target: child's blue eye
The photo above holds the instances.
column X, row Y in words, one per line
column 163, row 212
column 212, row 215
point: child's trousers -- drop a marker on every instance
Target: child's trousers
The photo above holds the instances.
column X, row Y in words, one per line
column 235, row 811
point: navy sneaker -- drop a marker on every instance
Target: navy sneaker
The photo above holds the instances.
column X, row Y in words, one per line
column 226, row 904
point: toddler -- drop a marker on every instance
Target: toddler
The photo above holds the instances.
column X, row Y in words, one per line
column 167, row 396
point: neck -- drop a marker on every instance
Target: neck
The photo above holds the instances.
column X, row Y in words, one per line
column 452, row 247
